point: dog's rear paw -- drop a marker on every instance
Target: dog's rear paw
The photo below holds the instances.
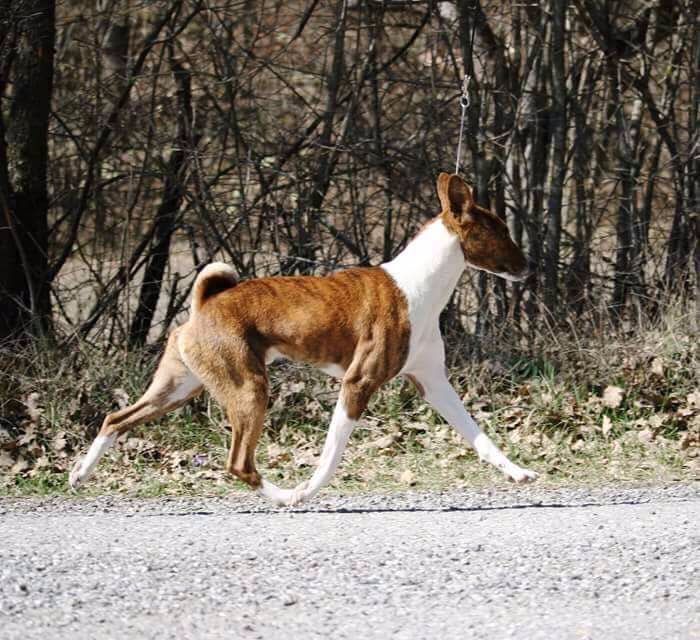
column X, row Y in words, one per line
column 521, row 475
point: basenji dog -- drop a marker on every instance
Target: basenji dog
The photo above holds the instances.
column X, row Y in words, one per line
column 363, row 325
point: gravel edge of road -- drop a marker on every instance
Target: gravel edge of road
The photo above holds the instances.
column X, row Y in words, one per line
column 450, row 500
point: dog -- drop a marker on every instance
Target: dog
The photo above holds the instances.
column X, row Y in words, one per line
column 364, row 325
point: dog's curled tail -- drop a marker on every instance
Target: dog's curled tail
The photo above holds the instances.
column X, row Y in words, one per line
column 214, row 278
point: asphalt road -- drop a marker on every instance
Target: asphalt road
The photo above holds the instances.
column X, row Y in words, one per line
column 508, row 563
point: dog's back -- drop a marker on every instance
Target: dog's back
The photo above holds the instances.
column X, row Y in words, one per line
column 319, row 320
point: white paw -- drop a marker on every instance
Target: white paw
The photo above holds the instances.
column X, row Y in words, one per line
column 278, row 497
column 284, row 497
column 76, row 476
column 298, row 494
column 520, row 475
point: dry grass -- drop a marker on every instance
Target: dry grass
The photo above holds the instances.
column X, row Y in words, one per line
column 613, row 407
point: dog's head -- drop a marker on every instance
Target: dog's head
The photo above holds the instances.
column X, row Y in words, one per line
column 483, row 236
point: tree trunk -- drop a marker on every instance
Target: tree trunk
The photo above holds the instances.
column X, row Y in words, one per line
column 24, row 289
column 626, row 213
column 307, row 213
column 115, row 48
column 166, row 217
column 115, row 61
column 694, row 180
column 558, row 122
column 535, row 140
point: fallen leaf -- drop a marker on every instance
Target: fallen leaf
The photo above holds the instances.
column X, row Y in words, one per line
column 578, row 445
column 121, row 397
column 33, row 410
column 408, row 478
column 384, row 442
column 276, row 453
column 6, row 460
column 179, row 459
column 28, row 437
column 19, row 466
column 645, row 436
column 693, row 399
column 657, row 367
column 200, row 459
column 607, row 425
column 59, row 441
column 305, row 459
column 136, row 444
column 612, row 396
column 689, row 439
column 415, row 426
column 656, row 421
column 443, row 463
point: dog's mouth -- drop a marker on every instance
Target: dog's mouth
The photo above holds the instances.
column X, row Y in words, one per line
column 518, row 276
column 521, row 275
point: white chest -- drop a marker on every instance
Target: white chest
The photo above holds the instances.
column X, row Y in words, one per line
column 427, row 272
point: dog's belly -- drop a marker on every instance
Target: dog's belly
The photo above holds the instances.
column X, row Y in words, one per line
column 332, row 369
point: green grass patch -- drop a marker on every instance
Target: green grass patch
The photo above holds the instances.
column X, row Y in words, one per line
column 621, row 408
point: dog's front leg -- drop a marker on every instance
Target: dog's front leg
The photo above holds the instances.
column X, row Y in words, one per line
column 355, row 392
column 338, row 433
column 438, row 391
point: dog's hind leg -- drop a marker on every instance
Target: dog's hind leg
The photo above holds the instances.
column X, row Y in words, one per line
column 235, row 376
column 173, row 384
column 245, row 408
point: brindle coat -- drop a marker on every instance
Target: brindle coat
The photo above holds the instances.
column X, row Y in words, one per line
column 356, row 320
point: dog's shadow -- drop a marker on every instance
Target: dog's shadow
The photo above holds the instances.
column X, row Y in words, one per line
column 350, row 510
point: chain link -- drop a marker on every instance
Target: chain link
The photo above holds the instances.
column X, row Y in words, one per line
column 464, row 102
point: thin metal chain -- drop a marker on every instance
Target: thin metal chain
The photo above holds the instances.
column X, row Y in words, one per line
column 464, row 103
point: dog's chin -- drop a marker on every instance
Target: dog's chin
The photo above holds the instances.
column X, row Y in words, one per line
column 518, row 276
column 512, row 277
column 515, row 277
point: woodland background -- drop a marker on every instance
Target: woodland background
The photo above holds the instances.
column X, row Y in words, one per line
column 140, row 140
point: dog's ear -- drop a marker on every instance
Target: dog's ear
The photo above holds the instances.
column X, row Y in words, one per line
column 455, row 195
column 442, row 182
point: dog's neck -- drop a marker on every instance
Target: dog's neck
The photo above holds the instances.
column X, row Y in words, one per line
column 428, row 269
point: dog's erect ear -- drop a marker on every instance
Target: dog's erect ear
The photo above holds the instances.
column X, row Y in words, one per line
column 460, row 196
column 455, row 195
column 442, row 182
